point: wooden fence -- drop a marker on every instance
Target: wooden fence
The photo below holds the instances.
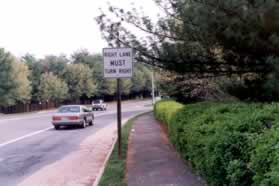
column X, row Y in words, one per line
column 33, row 107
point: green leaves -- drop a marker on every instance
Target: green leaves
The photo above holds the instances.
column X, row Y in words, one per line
column 265, row 158
column 7, row 84
column 57, row 78
column 52, row 88
column 215, row 37
column 141, row 79
column 79, row 80
column 20, row 76
column 227, row 143
column 15, row 85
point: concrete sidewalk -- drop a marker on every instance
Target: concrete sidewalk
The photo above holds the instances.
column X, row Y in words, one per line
column 152, row 160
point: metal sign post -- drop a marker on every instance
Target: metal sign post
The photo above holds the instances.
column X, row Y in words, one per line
column 118, row 63
column 119, row 118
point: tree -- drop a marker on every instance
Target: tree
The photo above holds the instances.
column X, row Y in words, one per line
column 106, row 87
column 7, row 84
column 166, row 83
column 138, row 81
column 84, row 57
column 126, row 86
column 219, row 36
column 52, row 88
column 202, row 39
column 15, row 85
column 81, row 56
column 79, row 80
column 147, row 75
column 141, row 80
column 50, row 63
column 54, row 64
column 103, row 86
column 37, row 70
column 20, row 76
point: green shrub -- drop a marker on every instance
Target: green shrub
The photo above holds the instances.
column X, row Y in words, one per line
column 265, row 158
column 227, row 143
column 165, row 109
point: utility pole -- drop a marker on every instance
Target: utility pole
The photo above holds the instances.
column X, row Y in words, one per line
column 153, row 86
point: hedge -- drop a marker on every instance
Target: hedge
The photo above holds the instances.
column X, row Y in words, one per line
column 166, row 108
column 227, row 143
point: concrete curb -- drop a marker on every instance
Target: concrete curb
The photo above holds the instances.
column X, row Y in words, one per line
column 101, row 172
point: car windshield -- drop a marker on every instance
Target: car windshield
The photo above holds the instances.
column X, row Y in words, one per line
column 97, row 101
column 72, row 109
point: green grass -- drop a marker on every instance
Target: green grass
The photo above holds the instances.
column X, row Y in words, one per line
column 114, row 174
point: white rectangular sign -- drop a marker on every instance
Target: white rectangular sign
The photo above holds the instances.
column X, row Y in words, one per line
column 118, row 62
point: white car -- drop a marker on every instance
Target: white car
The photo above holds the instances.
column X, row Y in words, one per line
column 99, row 105
column 73, row 115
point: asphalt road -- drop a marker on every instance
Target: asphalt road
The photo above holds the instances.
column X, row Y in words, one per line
column 29, row 142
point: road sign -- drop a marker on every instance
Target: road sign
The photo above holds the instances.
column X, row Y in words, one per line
column 118, row 62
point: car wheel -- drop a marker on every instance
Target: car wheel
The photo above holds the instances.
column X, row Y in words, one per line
column 83, row 125
column 57, row 127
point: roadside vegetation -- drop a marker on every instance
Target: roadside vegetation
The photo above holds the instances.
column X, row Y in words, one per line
column 58, row 79
column 211, row 49
column 227, row 143
column 114, row 173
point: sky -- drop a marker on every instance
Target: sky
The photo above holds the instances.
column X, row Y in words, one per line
column 44, row 27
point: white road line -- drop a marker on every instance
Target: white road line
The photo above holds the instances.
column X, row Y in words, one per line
column 24, row 137
column 44, row 130
column 23, row 118
column 49, row 114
